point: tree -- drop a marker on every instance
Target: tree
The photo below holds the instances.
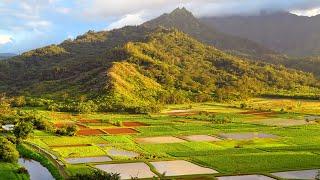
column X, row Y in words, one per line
column 67, row 130
column 19, row 101
column 8, row 152
column 22, row 130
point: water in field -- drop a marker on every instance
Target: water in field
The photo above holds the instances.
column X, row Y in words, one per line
column 36, row 170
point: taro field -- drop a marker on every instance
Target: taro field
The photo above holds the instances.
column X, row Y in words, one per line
column 192, row 141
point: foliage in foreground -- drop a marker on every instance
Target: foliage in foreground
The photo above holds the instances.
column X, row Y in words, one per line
column 96, row 175
column 8, row 152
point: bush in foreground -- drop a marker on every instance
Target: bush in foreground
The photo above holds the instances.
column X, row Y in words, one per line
column 96, row 175
column 8, row 152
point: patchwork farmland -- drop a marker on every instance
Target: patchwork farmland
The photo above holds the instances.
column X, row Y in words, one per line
column 196, row 141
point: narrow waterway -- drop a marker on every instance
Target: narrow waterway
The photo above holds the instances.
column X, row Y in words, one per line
column 36, row 170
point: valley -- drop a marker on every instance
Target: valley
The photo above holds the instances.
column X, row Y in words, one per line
column 219, row 139
column 172, row 98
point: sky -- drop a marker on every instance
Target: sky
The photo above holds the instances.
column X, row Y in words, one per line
column 29, row 24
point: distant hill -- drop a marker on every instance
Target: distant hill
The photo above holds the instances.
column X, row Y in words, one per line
column 6, row 55
column 136, row 68
column 184, row 20
column 283, row 32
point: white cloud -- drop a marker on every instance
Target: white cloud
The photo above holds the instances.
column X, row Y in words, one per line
column 152, row 8
column 308, row 12
column 130, row 19
column 5, row 39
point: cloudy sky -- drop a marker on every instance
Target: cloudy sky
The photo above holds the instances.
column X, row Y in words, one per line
column 28, row 24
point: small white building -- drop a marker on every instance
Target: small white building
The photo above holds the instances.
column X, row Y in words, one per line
column 8, row 127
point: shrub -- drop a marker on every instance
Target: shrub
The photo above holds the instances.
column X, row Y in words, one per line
column 40, row 124
column 86, row 107
column 97, row 175
column 19, row 101
column 22, row 170
column 22, row 130
column 8, row 152
column 67, row 130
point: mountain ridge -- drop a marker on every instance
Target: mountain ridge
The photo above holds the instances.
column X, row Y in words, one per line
column 283, row 31
column 185, row 21
column 138, row 68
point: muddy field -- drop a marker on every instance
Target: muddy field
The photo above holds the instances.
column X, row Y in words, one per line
column 90, row 132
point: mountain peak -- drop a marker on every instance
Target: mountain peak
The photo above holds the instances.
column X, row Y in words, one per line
column 181, row 12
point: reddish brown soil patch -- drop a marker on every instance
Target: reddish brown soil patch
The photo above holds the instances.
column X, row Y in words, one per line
column 120, row 131
column 133, row 124
column 74, row 145
column 89, row 132
column 90, row 120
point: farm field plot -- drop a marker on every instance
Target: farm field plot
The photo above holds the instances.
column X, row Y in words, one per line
column 306, row 174
column 133, row 124
column 128, row 170
column 280, row 122
column 200, row 138
column 246, row 136
column 122, row 153
column 245, row 177
column 159, row 140
column 180, row 168
column 65, row 141
column 217, row 137
column 80, row 151
column 87, row 160
column 260, row 162
column 120, row 131
column 90, row 132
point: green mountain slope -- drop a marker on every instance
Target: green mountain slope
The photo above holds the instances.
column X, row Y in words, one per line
column 136, row 69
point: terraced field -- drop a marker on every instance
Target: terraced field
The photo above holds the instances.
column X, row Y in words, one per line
column 217, row 139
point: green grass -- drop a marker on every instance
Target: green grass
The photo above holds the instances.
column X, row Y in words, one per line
column 260, row 162
column 8, row 171
column 73, row 170
column 119, row 139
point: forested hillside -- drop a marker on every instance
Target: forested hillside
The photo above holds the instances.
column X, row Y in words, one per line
column 137, row 68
